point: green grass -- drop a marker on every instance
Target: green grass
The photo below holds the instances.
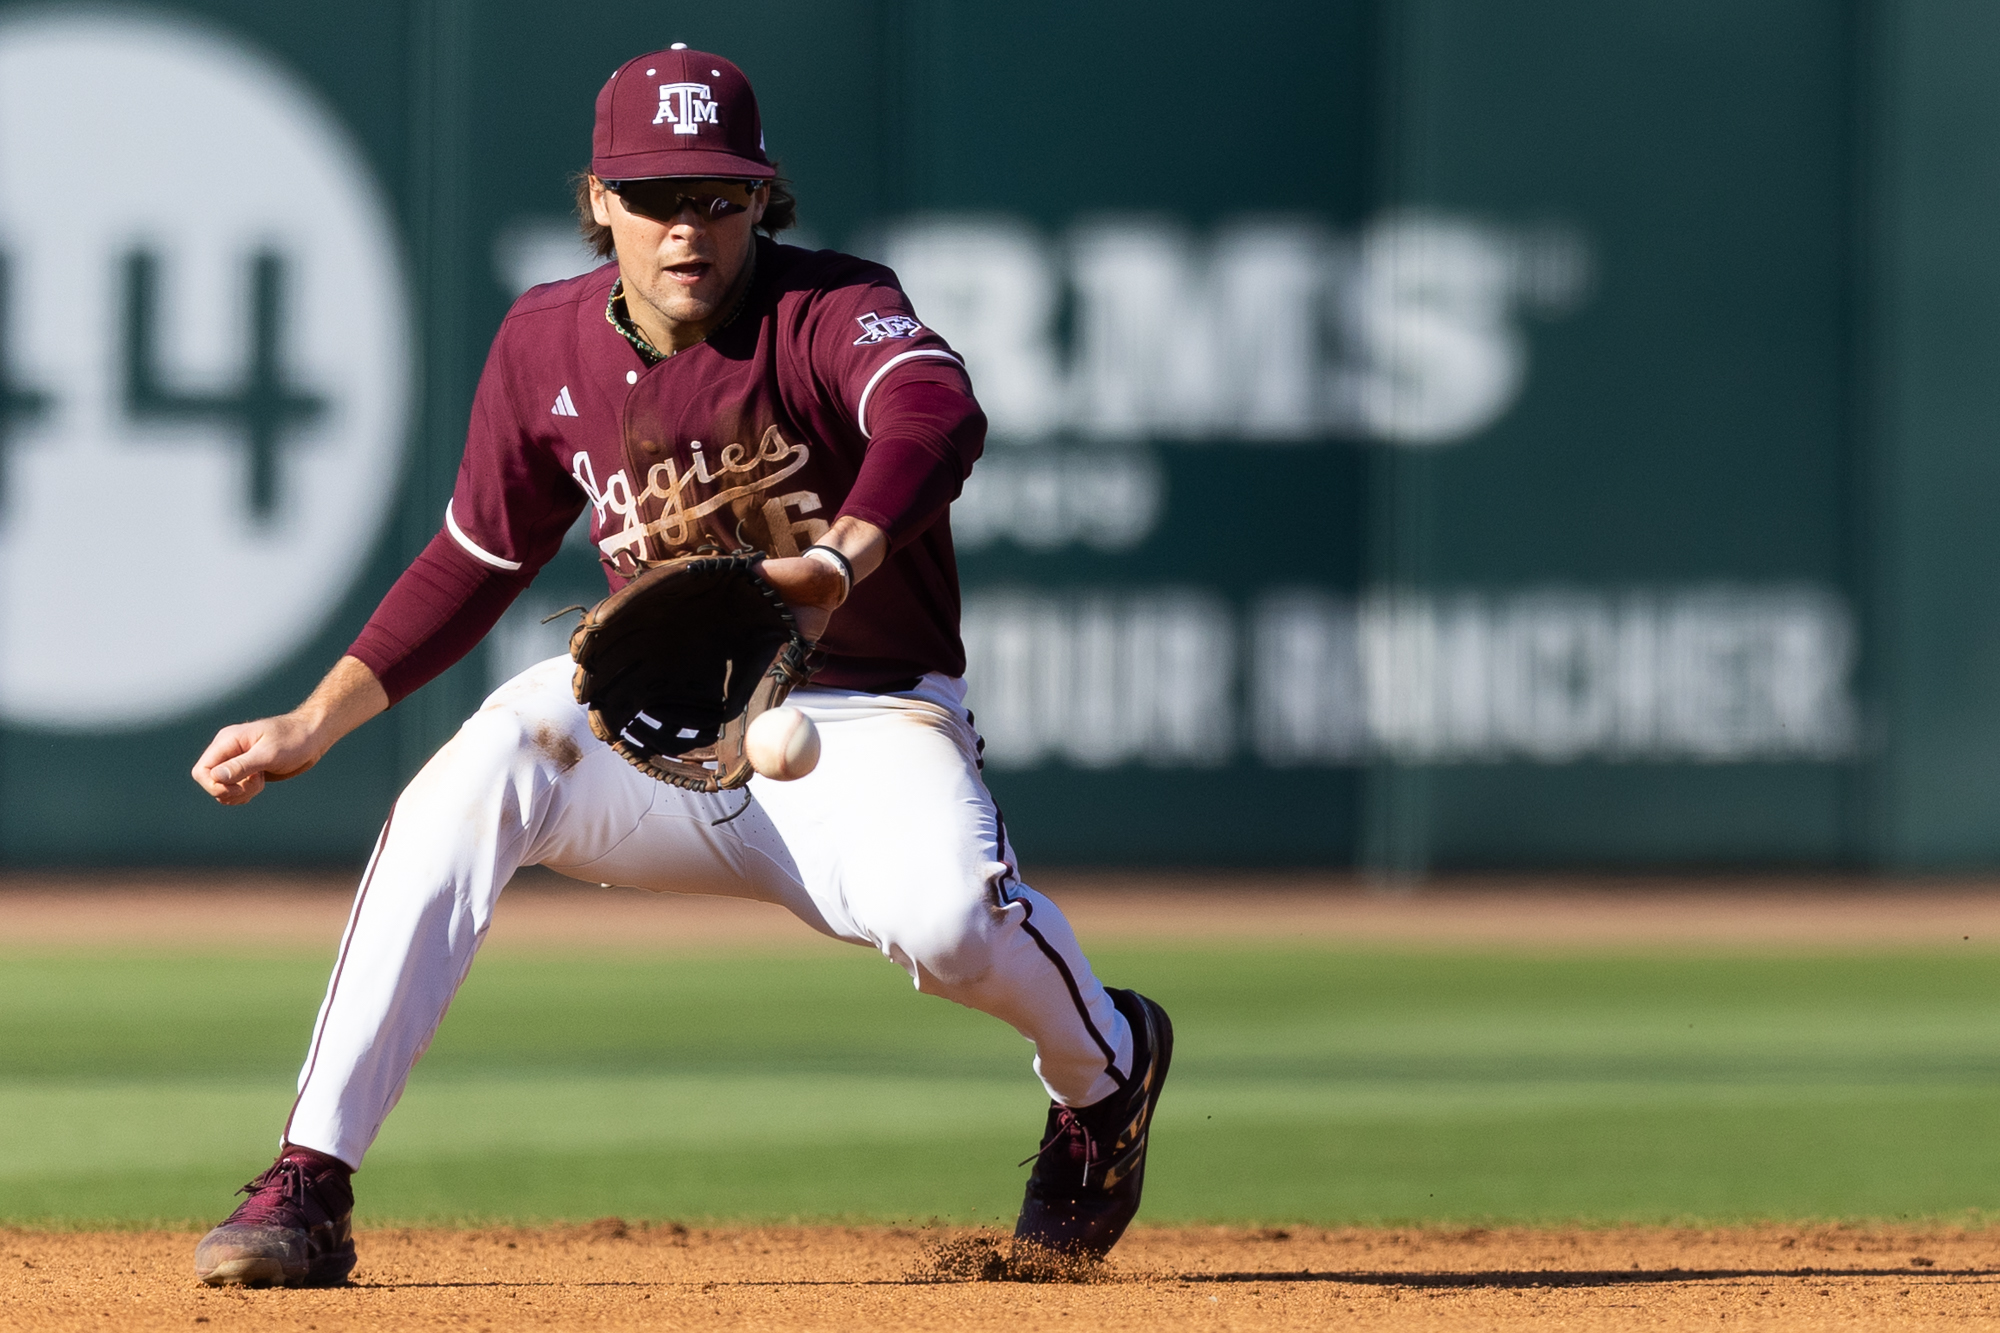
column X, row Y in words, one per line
column 1309, row 1086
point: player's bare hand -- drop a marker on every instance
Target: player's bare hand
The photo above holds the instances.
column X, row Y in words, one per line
column 243, row 757
column 813, row 585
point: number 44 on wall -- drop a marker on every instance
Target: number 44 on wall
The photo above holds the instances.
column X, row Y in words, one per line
column 259, row 409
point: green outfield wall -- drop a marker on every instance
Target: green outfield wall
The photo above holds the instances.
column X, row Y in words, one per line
column 1427, row 434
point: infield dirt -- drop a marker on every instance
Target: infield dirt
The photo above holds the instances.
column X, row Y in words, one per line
column 148, row 910
column 608, row 1275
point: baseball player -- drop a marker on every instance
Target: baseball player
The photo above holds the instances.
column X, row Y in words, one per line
column 710, row 389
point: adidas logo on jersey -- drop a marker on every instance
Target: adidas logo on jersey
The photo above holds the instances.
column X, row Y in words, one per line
column 564, row 407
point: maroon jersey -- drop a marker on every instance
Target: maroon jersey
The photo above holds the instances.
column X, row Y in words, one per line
column 824, row 395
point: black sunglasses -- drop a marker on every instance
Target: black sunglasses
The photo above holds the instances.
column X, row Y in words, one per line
column 663, row 200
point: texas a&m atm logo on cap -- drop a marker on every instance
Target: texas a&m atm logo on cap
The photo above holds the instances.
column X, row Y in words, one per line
column 686, row 106
column 690, row 91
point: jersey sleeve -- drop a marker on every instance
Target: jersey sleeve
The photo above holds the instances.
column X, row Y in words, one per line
column 905, row 392
column 508, row 512
column 865, row 338
column 927, row 437
column 512, row 501
column 433, row 615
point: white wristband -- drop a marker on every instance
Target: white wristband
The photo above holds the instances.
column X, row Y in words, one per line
column 836, row 562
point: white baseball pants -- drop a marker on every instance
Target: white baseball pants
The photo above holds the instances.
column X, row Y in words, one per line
column 892, row 841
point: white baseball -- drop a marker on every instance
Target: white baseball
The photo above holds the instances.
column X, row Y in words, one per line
column 782, row 745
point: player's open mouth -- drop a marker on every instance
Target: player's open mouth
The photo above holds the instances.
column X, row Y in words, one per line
column 689, row 273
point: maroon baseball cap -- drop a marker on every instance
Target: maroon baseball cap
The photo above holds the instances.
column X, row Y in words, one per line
column 678, row 113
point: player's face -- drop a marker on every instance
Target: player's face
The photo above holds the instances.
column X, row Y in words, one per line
column 682, row 246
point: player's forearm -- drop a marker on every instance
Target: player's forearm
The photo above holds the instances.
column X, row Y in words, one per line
column 864, row 544
column 816, row 586
column 348, row 696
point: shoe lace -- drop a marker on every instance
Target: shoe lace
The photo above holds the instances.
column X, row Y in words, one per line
column 283, row 1184
column 1069, row 1125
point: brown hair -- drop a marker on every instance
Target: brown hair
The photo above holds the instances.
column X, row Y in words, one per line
column 781, row 210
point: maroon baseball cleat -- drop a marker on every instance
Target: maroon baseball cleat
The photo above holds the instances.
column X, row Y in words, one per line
column 295, row 1229
column 1084, row 1190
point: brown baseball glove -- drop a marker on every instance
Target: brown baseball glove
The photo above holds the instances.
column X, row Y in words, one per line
column 675, row 665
